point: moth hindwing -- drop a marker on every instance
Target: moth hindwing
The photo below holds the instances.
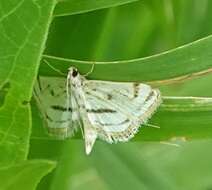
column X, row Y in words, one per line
column 111, row 111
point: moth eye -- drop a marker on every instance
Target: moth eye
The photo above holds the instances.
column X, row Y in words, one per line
column 74, row 73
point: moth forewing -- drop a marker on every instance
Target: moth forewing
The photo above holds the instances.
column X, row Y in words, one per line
column 117, row 110
column 50, row 95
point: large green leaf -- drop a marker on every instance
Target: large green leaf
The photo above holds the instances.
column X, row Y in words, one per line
column 183, row 62
column 70, row 7
column 23, row 31
column 26, row 175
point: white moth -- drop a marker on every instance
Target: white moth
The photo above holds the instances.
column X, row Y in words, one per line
column 111, row 111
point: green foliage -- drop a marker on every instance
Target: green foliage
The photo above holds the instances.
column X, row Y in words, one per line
column 24, row 176
column 152, row 41
column 70, row 7
column 23, row 31
column 183, row 62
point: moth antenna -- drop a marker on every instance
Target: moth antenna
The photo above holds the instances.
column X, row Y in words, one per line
column 150, row 125
column 53, row 68
column 91, row 70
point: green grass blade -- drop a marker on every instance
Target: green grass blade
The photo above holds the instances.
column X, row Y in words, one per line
column 183, row 62
column 184, row 118
column 71, row 7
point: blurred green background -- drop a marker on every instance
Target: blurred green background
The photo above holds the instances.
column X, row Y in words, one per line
column 134, row 30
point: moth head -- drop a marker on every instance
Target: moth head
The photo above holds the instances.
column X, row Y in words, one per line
column 73, row 72
column 74, row 76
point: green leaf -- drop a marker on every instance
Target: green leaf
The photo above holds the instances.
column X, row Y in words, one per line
column 117, row 33
column 26, row 175
column 70, row 7
column 147, row 165
column 183, row 62
column 180, row 117
column 95, row 170
column 23, row 32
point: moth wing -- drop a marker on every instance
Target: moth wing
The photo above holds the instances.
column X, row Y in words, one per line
column 61, row 119
column 117, row 110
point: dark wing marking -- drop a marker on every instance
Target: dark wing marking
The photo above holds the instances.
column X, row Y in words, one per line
column 101, row 110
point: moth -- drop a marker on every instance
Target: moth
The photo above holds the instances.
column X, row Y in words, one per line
column 110, row 111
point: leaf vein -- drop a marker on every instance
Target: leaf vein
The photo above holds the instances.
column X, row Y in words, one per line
column 11, row 11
